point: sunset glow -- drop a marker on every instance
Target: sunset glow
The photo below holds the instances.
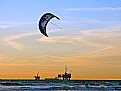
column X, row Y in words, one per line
column 89, row 43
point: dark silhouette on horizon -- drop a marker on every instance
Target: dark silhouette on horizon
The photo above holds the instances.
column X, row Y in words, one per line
column 65, row 76
column 37, row 77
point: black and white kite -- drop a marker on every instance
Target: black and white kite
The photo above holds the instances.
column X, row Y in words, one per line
column 44, row 21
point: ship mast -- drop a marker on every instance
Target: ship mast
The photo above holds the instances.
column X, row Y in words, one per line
column 66, row 69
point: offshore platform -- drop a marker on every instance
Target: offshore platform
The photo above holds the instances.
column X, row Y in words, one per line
column 66, row 75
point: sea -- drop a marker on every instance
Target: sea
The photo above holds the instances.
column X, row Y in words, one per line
column 51, row 85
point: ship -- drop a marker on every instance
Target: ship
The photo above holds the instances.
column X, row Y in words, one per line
column 37, row 77
column 65, row 76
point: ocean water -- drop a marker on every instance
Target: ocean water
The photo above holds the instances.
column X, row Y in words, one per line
column 32, row 85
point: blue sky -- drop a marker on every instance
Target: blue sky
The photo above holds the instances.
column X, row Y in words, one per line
column 89, row 40
column 88, row 13
column 30, row 10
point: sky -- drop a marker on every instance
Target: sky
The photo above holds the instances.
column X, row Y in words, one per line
column 89, row 43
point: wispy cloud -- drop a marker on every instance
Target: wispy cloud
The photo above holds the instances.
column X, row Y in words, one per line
column 89, row 37
column 5, row 58
column 62, row 39
column 49, row 40
column 52, row 39
column 17, row 23
column 11, row 40
column 5, row 24
column 95, row 9
column 92, row 41
column 100, row 50
column 50, row 57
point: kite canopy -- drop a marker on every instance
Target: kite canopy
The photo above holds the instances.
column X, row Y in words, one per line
column 44, row 21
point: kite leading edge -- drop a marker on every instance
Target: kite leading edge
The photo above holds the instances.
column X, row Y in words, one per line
column 44, row 21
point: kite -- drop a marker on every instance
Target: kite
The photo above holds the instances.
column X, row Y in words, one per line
column 44, row 21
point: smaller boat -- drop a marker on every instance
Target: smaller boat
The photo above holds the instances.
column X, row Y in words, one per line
column 37, row 77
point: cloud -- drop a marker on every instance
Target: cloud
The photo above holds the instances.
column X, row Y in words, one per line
column 11, row 40
column 95, row 9
column 50, row 57
column 4, row 24
column 92, row 41
column 52, row 39
column 49, row 40
column 92, row 37
column 60, row 39
column 16, row 23
column 5, row 58
column 100, row 50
